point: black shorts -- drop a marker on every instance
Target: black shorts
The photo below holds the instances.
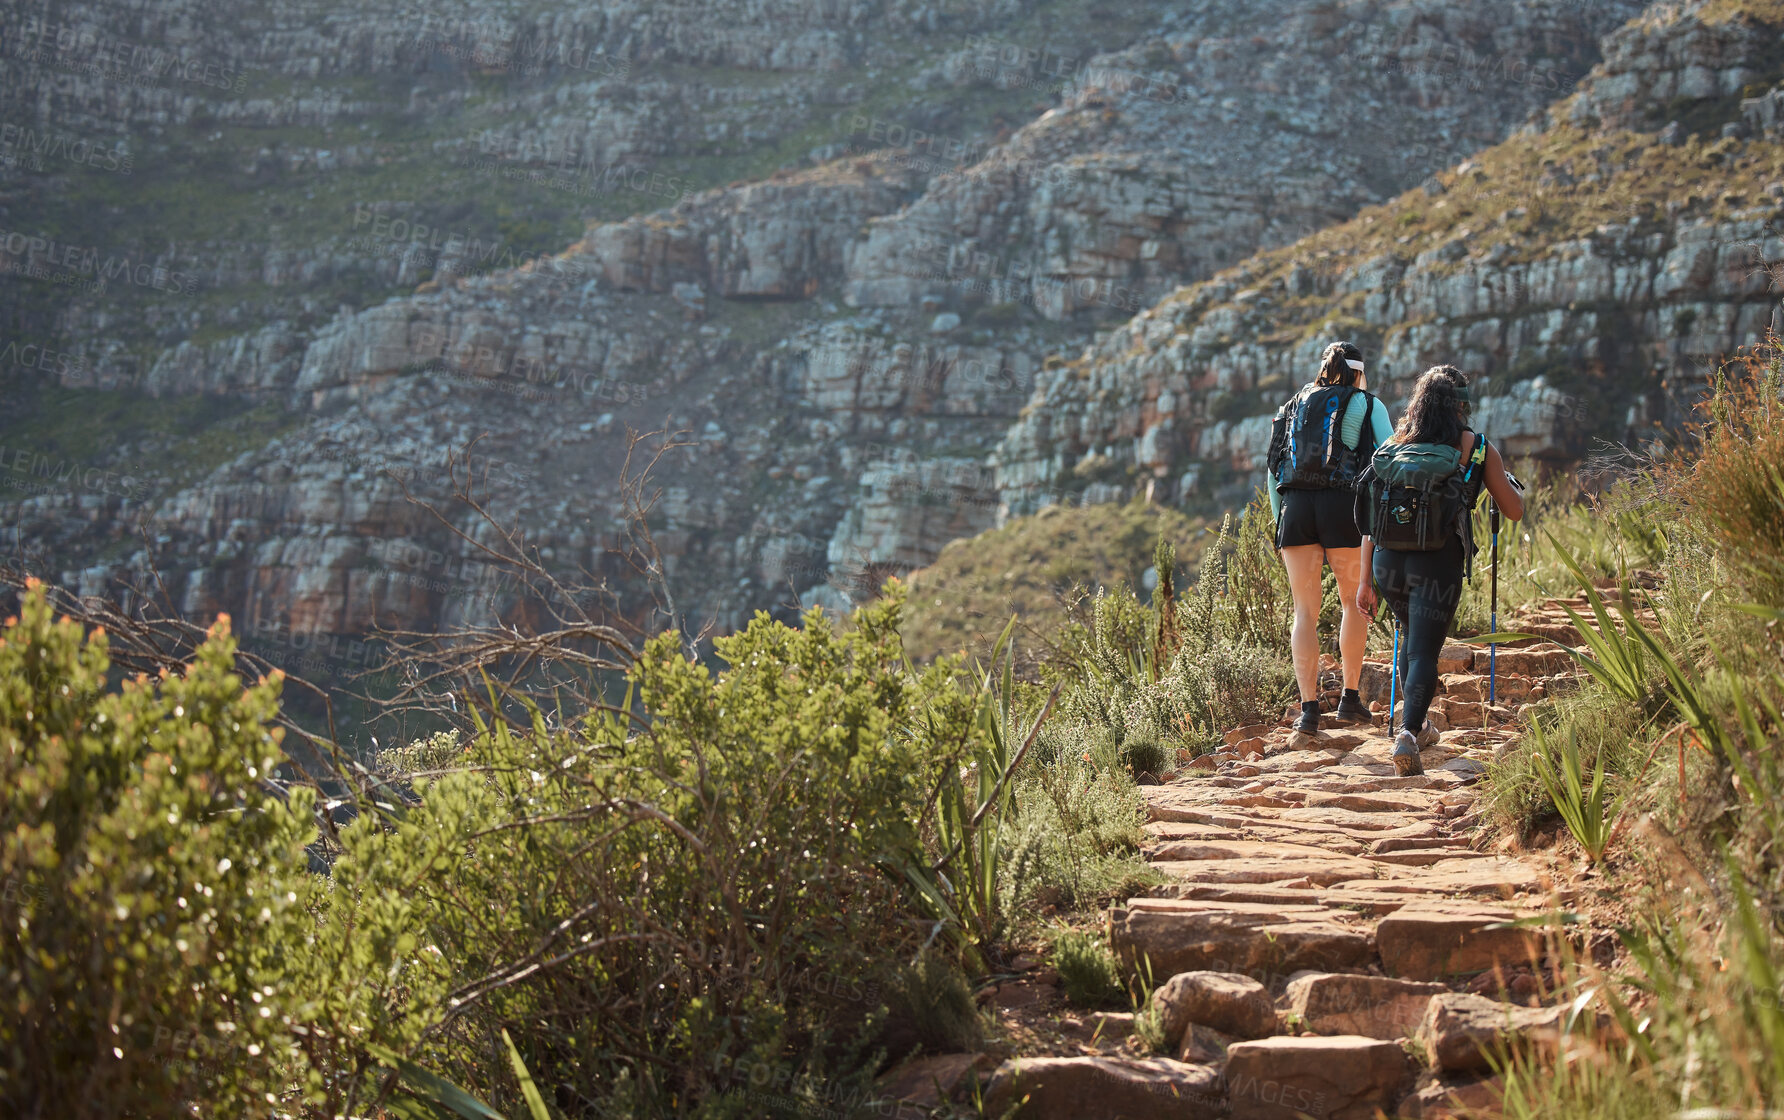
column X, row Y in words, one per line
column 1322, row 517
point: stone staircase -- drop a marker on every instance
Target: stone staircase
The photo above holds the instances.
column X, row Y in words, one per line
column 1350, row 909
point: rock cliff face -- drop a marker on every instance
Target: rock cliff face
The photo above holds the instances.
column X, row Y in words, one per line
column 1248, row 125
column 1590, row 274
column 844, row 343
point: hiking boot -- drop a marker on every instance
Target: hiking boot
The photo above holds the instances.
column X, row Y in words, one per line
column 1406, row 755
column 1427, row 736
column 1308, row 724
column 1351, row 711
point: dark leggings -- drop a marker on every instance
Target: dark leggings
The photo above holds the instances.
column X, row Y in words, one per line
column 1423, row 590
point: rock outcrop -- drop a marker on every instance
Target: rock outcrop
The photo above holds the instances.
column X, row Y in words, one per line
column 1587, row 289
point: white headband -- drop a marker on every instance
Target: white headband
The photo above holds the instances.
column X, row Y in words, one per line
column 1354, row 364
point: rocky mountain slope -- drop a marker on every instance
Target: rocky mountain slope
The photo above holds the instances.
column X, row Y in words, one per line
column 1593, row 268
column 843, row 342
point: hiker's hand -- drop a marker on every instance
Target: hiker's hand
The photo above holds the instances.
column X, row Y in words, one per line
column 1366, row 599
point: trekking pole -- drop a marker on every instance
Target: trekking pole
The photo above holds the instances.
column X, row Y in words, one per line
column 1394, row 678
column 1493, row 647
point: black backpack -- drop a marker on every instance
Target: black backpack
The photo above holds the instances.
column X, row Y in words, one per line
column 1307, row 437
column 1413, row 497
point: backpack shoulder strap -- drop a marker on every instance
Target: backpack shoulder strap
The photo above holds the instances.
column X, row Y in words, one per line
column 1477, row 456
column 1366, row 433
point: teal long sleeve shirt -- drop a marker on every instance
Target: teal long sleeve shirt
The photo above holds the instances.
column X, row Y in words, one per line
column 1350, row 432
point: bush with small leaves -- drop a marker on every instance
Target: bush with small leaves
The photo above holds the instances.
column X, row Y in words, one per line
column 1088, row 971
column 150, row 880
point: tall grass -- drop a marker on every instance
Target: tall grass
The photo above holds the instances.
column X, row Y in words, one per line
column 1695, row 992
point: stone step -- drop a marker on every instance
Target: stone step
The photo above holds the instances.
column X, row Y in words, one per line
column 1411, row 843
column 1372, row 1006
column 1182, row 830
column 1116, row 1088
column 1425, row 857
column 1363, row 822
column 1188, row 936
column 1460, row 1032
column 1432, row 943
column 1343, row 1077
column 1180, row 851
column 1321, row 872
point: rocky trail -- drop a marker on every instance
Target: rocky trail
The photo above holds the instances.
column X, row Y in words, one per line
column 1334, row 938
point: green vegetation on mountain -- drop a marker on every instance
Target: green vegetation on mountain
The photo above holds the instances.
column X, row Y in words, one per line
column 1032, row 567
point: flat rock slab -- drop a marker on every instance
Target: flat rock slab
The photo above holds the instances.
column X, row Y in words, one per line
column 1410, row 843
column 1371, row 1006
column 1299, row 761
column 1180, row 830
column 1187, row 850
column 1323, row 870
column 1331, row 841
column 1109, row 1088
column 1463, row 1032
column 1421, row 943
column 1345, row 818
column 1463, row 875
column 1370, row 803
column 1426, row 857
column 1346, row 1077
column 1227, row 937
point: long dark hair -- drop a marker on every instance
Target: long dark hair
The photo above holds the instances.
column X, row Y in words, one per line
column 1438, row 411
column 1334, row 364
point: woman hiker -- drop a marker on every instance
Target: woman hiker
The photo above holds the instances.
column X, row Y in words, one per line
column 1416, row 500
column 1320, row 442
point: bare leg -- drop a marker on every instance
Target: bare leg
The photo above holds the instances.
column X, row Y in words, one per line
column 1353, row 632
column 1306, row 564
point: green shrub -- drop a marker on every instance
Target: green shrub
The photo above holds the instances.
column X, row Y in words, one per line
column 1733, row 485
column 151, row 879
column 1078, row 826
column 1088, row 971
column 1142, row 753
column 700, row 889
column 440, row 751
column 932, row 1009
column 645, row 906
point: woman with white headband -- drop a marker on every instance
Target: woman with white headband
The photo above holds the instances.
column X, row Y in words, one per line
column 1320, row 441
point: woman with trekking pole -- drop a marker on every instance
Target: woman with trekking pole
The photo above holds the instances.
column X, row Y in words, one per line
column 1415, row 503
column 1319, row 443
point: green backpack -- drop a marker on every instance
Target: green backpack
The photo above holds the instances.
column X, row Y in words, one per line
column 1413, row 497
